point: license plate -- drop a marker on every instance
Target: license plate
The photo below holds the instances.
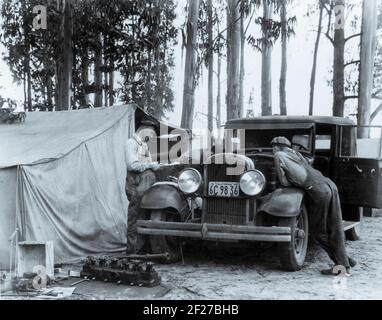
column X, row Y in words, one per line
column 224, row 189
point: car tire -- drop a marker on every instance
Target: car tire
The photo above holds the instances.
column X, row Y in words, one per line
column 165, row 244
column 292, row 254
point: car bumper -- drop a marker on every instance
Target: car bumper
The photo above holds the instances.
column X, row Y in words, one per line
column 214, row 232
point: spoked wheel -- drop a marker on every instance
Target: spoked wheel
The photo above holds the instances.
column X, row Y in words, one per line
column 165, row 244
column 292, row 254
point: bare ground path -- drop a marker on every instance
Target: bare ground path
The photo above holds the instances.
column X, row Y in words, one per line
column 223, row 274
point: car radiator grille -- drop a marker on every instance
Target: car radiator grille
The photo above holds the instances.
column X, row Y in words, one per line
column 224, row 210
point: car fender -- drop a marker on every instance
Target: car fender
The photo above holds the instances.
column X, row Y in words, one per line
column 165, row 196
column 283, row 202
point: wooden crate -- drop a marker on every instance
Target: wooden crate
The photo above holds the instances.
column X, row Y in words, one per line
column 33, row 254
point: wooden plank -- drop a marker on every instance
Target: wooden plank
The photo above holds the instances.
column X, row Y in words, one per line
column 350, row 224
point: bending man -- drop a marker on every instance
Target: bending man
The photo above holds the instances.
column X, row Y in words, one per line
column 325, row 215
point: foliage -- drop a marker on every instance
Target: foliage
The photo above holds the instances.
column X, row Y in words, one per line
column 272, row 27
column 138, row 39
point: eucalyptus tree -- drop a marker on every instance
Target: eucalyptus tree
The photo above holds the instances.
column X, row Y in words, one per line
column 233, row 61
column 86, row 37
column 377, row 87
column 190, row 64
column 312, row 83
column 286, row 31
column 271, row 29
column 367, row 59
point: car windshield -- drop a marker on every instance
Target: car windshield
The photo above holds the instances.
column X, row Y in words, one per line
column 261, row 139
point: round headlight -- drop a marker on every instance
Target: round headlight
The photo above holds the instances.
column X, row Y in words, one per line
column 252, row 182
column 190, row 181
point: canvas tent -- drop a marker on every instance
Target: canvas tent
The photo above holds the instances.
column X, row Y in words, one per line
column 62, row 178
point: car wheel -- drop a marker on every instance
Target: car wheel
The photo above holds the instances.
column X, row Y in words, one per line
column 354, row 234
column 165, row 244
column 292, row 254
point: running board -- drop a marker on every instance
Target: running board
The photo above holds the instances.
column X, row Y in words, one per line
column 350, row 224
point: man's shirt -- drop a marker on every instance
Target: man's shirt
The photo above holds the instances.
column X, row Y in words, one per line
column 137, row 155
column 291, row 168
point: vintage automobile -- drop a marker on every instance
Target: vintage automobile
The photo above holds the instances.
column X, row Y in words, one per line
column 208, row 204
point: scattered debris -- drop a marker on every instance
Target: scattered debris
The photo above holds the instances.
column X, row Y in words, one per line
column 56, row 293
column 74, row 274
column 191, row 291
column 78, row 282
column 29, row 282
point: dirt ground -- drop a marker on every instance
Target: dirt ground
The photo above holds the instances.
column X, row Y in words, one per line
column 217, row 273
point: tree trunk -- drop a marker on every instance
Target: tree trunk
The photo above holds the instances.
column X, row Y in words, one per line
column 314, row 67
column 85, row 78
column 242, row 56
column 98, row 73
column 284, row 57
column 366, row 72
column 49, row 93
column 131, row 57
column 233, row 77
column 48, row 86
column 65, row 61
column 218, row 98
column 106, row 87
column 210, row 67
column 159, row 62
column 338, row 69
column 157, row 81
column 25, row 107
column 190, row 65
column 266, row 63
column 27, row 67
column 29, row 86
column 228, row 41
column 106, row 61
column 148, row 107
column 111, row 85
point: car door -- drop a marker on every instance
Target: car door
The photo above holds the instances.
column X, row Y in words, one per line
column 357, row 171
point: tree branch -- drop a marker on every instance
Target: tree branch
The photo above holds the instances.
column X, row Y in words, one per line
column 353, row 36
column 375, row 96
column 250, row 20
column 329, row 37
column 323, row 4
column 327, row 34
column 351, row 62
column 375, row 113
column 351, row 97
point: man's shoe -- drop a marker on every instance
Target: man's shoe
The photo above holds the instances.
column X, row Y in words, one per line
column 335, row 271
column 352, row 262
